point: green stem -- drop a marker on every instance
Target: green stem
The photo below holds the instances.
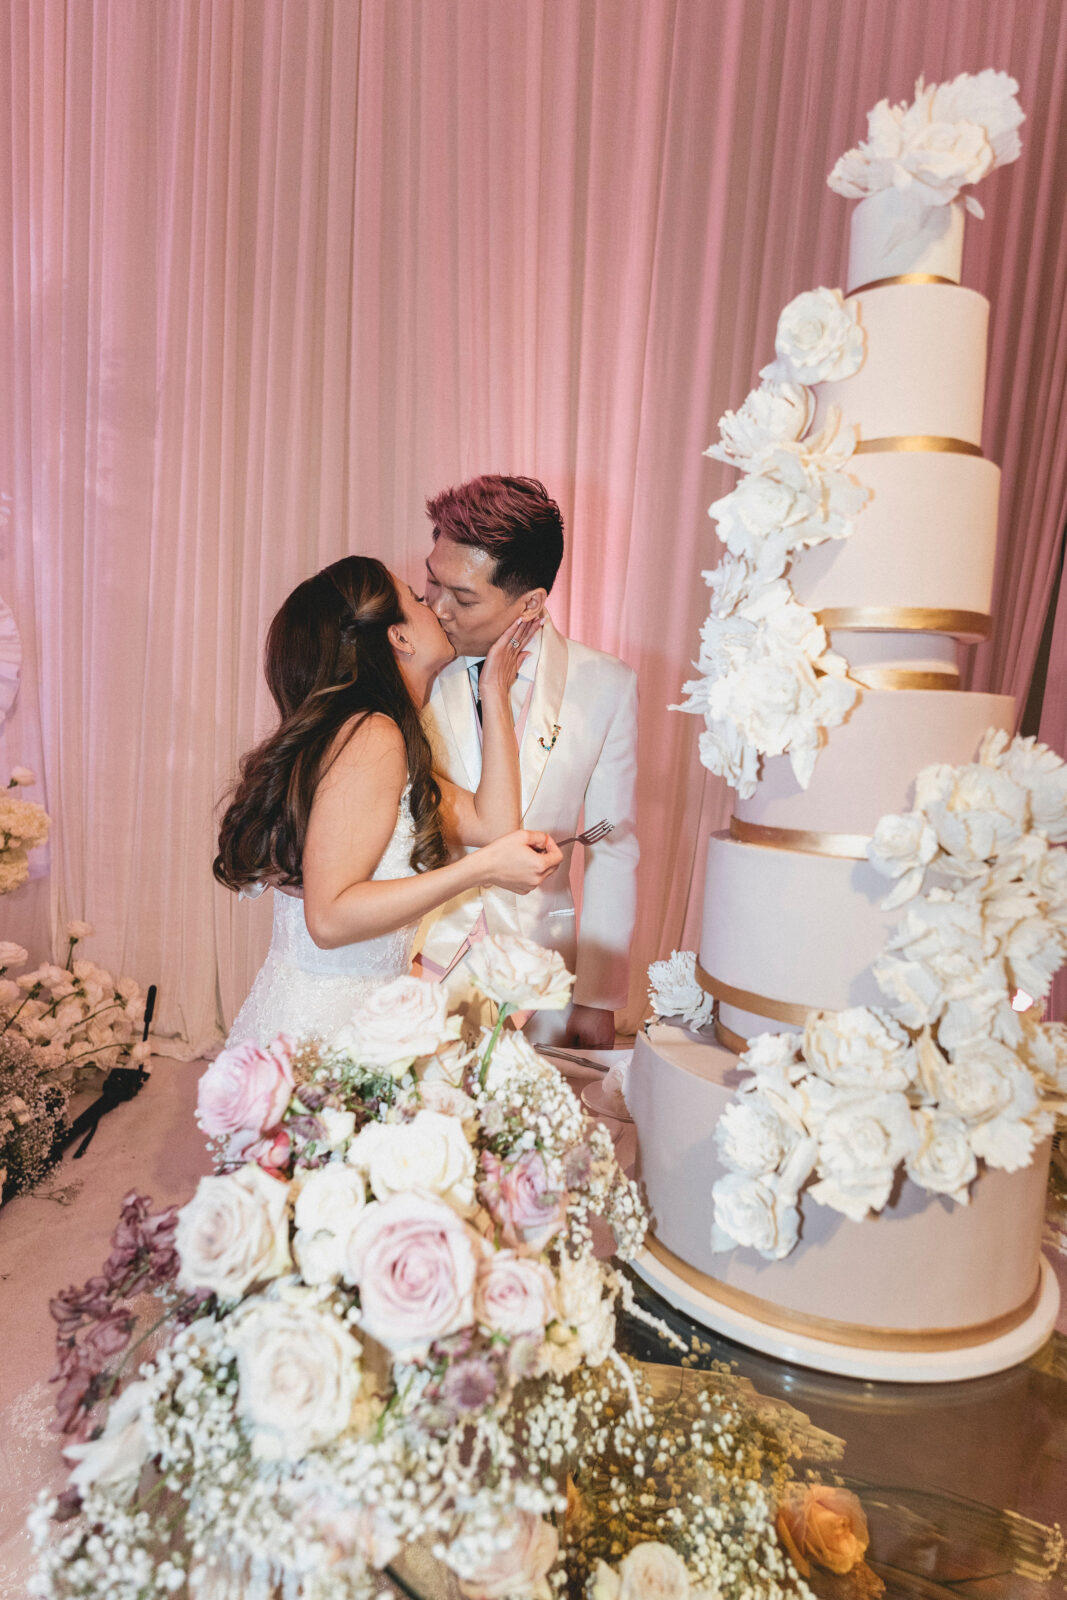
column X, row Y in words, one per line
column 505, row 1012
column 31, row 995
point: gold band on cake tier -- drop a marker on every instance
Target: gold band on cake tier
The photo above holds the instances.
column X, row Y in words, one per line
column 906, row 619
column 855, row 1334
column 729, row 1039
column 943, row 444
column 902, row 277
column 903, row 678
column 760, row 1005
column 850, row 845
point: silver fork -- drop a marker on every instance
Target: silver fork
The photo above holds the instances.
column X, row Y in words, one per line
column 593, row 835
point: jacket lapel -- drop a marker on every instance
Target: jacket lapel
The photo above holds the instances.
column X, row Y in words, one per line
column 542, row 725
column 454, row 703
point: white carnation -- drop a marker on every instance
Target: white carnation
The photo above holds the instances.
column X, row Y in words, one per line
column 981, row 814
column 676, row 991
column 1042, row 773
column 914, row 993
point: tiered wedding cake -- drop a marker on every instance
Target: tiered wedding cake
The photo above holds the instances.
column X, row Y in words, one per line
column 871, row 1201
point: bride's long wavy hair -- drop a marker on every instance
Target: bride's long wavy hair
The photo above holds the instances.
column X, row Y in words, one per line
column 328, row 659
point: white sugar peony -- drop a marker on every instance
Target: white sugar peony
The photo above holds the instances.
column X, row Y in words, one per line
column 773, row 414
column 942, row 1161
column 397, row 1023
column 976, row 1082
column 859, row 1049
column 914, row 994
column 431, row 1152
column 819, row 339
column 676, row 991
column 233, row 1233
column 1042, row 773
column 754, row 1137
column 517, row 972
column 724, row 752
column 298, row 1373
column 980, row 814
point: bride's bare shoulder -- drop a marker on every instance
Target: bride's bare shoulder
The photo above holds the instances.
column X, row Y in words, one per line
column 370, row 741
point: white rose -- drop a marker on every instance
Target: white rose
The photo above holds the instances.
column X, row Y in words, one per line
column 431, row 1152
column 750, row 1212
column 758, row 506
column 234, row 1232
column 582, row 1306
column 675, row 990
column 943, row 1161
column 437, row 1094
column 515, row 1567
column 982, row 814
column 513, row 1294
column 328, row 1206
column 12, row 955
column 753, row 1137
column 859, row 1048
column 397, row 1023
column 339, row 1126
column 773, row 414
column 116, row 1458
column 517, row 972
column 901, row 847
column 653, row 1571
column 299, row 1376
column 861, row 1144
column 819, row 339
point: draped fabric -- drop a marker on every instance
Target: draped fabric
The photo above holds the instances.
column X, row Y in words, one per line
column 273, row 271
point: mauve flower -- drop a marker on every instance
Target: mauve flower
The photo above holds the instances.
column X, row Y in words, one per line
column 271, row 1153
column 469, row 1385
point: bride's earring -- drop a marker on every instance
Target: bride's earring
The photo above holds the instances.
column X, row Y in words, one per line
column 400, row 642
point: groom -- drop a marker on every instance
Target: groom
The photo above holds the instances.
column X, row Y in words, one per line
column 497, row 546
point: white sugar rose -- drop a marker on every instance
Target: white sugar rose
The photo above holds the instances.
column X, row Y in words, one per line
column 773, row 414
column 861, row 1144
column 397, row 1023
column 116, row 1458
column 675, row 990
column 819, row 339
column 757, row 507
column 513, row 1294
column 902, row 847
column 329, row 1204
column 234, row 1232
column 943, row 1161
column 431, row 1152
column 298, row 1373
column 517, row 972
column 750, row 1212
column 517, row 1566
column 859, row 1048
column 415, row 1262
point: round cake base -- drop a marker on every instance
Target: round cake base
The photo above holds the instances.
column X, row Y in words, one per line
column 850, row 1361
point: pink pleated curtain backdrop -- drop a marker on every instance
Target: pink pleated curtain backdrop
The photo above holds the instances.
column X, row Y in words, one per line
column 272, row 271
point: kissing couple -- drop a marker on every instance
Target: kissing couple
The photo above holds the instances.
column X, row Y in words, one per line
column 429, row 752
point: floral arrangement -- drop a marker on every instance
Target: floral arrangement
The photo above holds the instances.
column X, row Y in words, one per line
column 931, row 151
column 23, row 826
column 948, row 1073
column 33, row 1108
column 675, row 990
column 80, row 1019
column 769, row 682
column 387, row 1322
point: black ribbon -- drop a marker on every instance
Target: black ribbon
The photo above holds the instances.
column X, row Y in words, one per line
column 121, row 1084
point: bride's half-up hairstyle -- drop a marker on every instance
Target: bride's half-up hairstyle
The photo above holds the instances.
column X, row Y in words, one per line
column 328, row 660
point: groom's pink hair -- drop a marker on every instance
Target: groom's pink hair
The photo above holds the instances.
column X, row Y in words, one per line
column 514, row 519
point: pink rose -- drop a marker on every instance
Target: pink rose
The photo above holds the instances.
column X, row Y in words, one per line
column 415, row 1261
column 272, row 1152
column 517, row 1570
column 246, row 1090
column 514, row 1294
column 525, row 1204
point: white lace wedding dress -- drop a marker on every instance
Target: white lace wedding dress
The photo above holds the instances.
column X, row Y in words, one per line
column 302, row 990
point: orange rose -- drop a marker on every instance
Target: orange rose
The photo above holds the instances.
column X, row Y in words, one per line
column 818, row 1523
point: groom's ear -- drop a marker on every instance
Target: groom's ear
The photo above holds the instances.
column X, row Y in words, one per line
column 533, row 602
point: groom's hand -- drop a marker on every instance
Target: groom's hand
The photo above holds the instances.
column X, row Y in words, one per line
column 590, row 1028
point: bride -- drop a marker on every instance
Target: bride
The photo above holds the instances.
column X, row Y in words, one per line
column 339, row 810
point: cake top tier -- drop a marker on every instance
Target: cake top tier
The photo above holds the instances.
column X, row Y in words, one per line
column 915, row 171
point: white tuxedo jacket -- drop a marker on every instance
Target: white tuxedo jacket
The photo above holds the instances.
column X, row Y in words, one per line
column 578, row 756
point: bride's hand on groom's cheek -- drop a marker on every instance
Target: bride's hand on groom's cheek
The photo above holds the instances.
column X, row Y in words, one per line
column 507, row 654
column 520, row 861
